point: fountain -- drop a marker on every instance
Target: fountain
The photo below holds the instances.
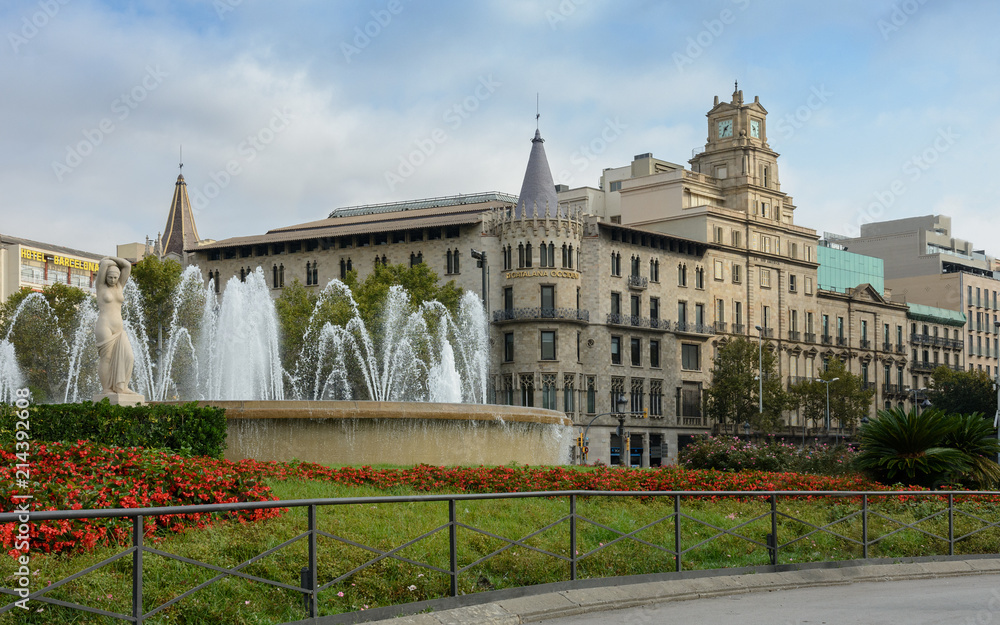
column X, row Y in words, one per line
column 410, row 386
column 10, row 374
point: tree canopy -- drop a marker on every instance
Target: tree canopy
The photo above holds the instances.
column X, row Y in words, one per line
column 849, row 400
column 157, row 281
column 962, row 392
column 735, row 391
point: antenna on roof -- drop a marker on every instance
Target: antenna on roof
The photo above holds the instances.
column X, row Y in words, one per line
column 182, row 159
column 537, row 114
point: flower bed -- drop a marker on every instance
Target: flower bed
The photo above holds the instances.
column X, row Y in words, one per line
column 728, row 453
column 84, row 475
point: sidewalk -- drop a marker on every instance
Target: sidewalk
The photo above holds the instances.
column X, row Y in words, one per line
column 576, row 602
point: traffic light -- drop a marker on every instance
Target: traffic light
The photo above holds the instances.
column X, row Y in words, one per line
column 620, row 430
column 579, row 440
column 645, row 413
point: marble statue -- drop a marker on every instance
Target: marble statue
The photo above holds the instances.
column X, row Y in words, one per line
column 114, row 352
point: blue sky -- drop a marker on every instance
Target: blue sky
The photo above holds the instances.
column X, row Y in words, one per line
column 287, row 110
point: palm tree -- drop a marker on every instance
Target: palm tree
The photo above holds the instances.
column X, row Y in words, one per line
column 974, row 437
column 911, row 447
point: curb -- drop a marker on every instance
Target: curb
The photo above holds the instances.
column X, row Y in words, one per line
column 571, row 602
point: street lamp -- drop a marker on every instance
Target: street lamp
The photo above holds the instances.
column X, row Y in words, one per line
column 760, row 366
column 619, row 402
column 827, row 382
column 746, row 429
column 917, row 405
column 481, row 261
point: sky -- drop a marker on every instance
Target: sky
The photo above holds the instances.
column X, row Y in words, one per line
column 287, row 110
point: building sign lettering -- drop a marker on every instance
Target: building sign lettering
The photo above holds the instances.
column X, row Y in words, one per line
column 543, row 273
column 87, row 265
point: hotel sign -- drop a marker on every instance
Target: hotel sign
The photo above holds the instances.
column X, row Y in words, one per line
column 86, row 265
column 543, row 273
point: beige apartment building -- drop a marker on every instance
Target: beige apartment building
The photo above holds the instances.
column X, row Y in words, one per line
column 925, row 265
column 616, row 299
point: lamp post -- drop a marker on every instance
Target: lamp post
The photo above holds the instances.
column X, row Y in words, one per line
column 620, row 402
column 481, row 259
column 996, row 419
column 760, row 366
column 827, row 382
column 916, row 404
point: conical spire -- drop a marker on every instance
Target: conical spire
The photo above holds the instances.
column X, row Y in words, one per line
column 538, row 189
column 180, row 233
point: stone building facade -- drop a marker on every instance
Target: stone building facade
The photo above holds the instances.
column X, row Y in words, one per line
column 612, row 302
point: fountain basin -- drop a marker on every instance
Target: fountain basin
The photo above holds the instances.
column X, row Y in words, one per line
column 367, row 432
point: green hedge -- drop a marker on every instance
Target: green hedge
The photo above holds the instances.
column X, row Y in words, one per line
column 189, row 428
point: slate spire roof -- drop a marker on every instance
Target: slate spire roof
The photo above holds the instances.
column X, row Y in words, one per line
column 538, row 191
column 181, row 232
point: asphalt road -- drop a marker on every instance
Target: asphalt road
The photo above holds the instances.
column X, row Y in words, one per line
column 968, row 600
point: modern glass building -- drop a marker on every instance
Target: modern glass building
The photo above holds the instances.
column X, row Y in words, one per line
column 840, row 270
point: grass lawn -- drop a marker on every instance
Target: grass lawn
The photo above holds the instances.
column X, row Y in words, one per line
column 387, row 526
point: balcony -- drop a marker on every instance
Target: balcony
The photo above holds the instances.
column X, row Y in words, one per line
column 900, row 348
column 767, row 332
column 810, row 337
column 693, row 328
column 866, row 344
column 637, row 322
column 841, row 341
column 701, row 422
column 794, row 335
column 637, row 282
column 867, row 386
column 886, row 347
column 738, row 328
column 923, row 366
column 827, row 339
column 529, row 314
column 898, row 390
column 720, row 326
column 798, row 379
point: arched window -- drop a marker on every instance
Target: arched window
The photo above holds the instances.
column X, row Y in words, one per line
column 281, row 275
column 520, row 255
column 449, row 265
column 635, row 265
column 564, row 256
column 527, row 255
column 543, row 256
column 454, row 257
column 309, row 274
column 315, row 272
column 216, row 280
column 350, row 267
column 682, row 275
column 343, row 269
column 274, row 276
column 243, row 275
column 552, row 254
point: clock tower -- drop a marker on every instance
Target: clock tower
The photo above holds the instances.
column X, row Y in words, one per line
column 738, row 156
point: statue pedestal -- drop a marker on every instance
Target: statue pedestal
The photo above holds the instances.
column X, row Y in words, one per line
column 120, row 399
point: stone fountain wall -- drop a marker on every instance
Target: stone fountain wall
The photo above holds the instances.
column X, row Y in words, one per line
column 370, row 433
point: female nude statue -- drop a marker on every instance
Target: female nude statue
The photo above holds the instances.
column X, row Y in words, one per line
column 115, row 357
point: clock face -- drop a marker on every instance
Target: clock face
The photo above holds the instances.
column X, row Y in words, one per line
column 725, row 128
column 755, row 129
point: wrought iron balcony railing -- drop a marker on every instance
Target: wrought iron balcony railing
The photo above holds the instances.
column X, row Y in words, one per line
column 810, row 337
column 794, row 335
column 524, row 314
column 693, row 328
column 637, row 322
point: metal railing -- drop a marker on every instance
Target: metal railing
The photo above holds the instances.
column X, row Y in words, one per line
column 827, row 339
column 738, row 328
column 637, row 322
column 794, row 335
column 516, row 314
column 810, row 337
column 795, row 530
column 693, row 328
column 842, row 341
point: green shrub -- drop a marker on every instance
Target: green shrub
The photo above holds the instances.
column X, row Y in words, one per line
column 188, row 429
column 734, row 454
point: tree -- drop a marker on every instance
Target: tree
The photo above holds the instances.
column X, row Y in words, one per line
column 962, row 392
column 419, row 281
column 41, row 336
column 734, row 393
column 849, row 400
column 157, row 281
column 910, row 447
column 294, row 308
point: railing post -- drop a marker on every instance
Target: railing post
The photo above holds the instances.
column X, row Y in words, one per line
column 951, row 524
column 864, row 526
column 774, row 529
column 677, row 532
column 572, row 537
column 137, row 535
column 453, row 547
column 313, row 573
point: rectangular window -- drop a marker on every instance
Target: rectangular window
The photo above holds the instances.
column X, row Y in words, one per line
column 654, row 353
column 690, row 360
column 794, row 321
column 737, row 238
column 766, row 316
column 840, row 327
column 737, row 278
column 548, row 301
column 568, row 395
column 738, row 313
column 616, row 350
column 765, row 278
column 508, row 347
column 720, row 311
column 864, row 330
column 636, row 352
column 508, row 299
column 654, row 308
column 699, row 314
column 809, row 285
column 682, row 312
column 791, row 282
column 616, row 304
column 591, row 395
column 719, row 270
column 548, row 345
column 634, row 308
